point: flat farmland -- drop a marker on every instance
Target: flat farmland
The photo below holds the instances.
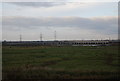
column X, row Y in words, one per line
column 44, row 62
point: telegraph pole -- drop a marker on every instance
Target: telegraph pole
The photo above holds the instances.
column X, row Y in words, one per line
column 109, row 38
column 40, row 37
column 20, row 37
column 55, row 35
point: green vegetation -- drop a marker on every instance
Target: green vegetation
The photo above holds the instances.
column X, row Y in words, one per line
column 60, row 62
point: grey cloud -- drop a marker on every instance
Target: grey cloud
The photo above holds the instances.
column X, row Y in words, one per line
column 99, row 24
column 37, row 4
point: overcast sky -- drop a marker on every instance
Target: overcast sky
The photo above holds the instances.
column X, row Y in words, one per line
column 70, row 20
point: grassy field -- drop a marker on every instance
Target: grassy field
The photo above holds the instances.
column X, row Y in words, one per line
column 60, row 63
